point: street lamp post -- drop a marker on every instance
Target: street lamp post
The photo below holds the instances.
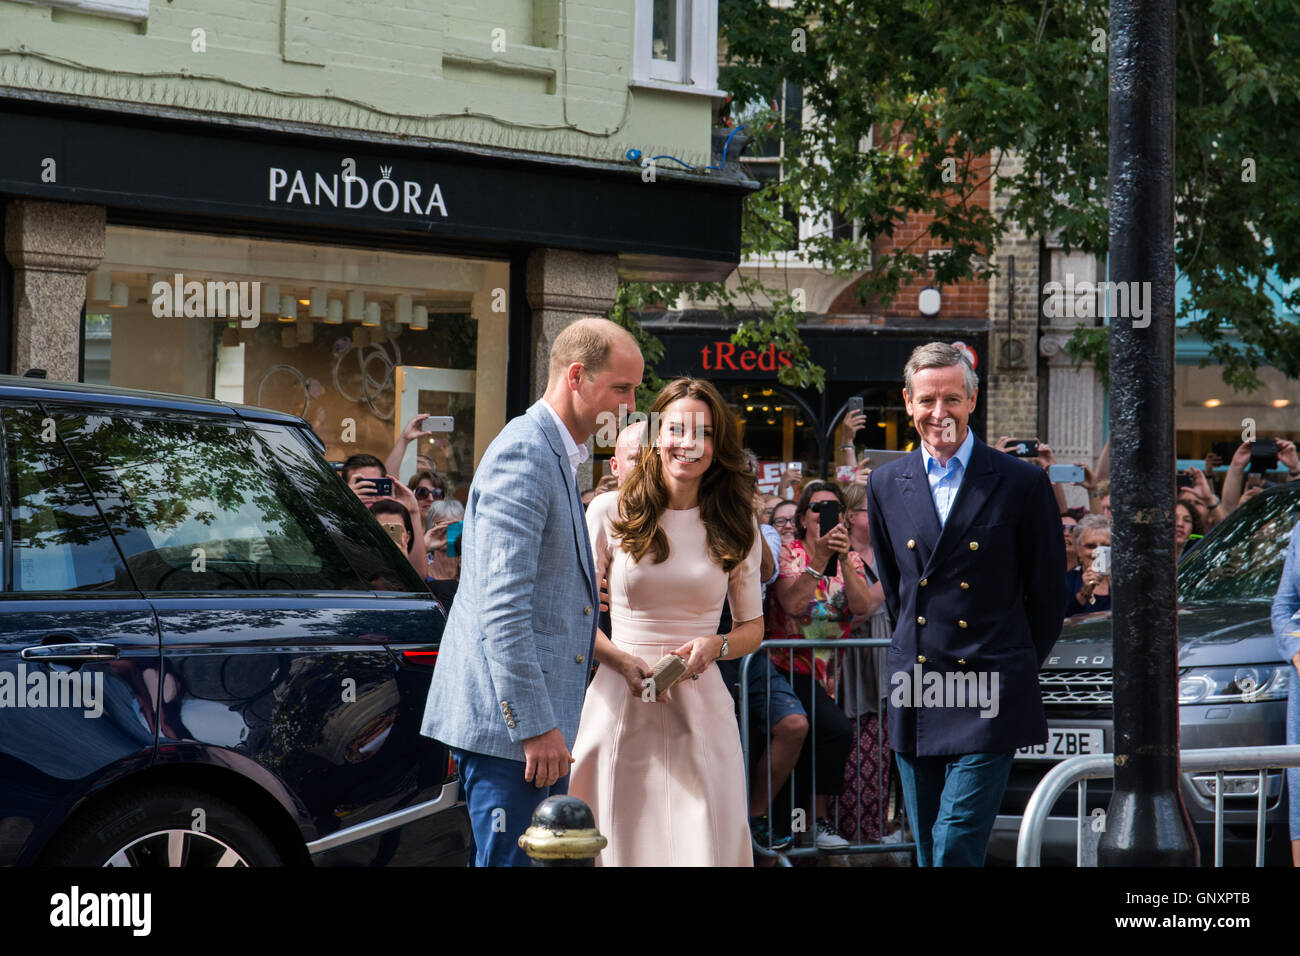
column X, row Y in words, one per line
column 1147, row 823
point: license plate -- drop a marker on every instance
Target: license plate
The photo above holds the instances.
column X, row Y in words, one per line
column 1064, row 742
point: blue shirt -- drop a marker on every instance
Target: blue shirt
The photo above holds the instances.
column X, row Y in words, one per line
column 945, row 480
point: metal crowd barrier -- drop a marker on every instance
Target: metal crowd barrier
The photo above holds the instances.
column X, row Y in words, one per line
column 1079, row 770
column 784, row 855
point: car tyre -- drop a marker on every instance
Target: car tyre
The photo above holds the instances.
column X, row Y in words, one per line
column 162, row 828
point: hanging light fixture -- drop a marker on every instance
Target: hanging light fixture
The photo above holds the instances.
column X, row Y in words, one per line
column 372, row 315
column 319, row 302
column 120, row 295
column 356, row 306
column 419, row 318
column 270, row 299
column 334, row 314
column 288, row 309
column 403, row 309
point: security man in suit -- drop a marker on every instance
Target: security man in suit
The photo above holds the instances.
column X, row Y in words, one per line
column 969, row 547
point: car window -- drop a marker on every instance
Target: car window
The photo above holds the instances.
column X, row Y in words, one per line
column 1242, row 558
column 361, row 538
column 197, row 505
column 60, row 540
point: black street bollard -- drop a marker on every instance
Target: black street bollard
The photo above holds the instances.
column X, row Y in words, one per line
column 1147, row 823
column 563, row 834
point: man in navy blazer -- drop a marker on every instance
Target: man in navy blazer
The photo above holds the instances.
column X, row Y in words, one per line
column 969, row 548
column 513, row 663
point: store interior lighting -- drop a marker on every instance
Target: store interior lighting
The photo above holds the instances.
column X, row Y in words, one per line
column 288, row 309
column 319, row 303
column 419, row 318
column 120, row 296
column 270, row 299
column 372, row 315
column 356, row 306
column 334, row 313
column 402, row 308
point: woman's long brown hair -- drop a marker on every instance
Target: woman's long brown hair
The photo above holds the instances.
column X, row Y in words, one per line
column 726, row 491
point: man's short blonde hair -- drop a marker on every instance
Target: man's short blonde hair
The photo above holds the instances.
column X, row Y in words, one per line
column 589, row 343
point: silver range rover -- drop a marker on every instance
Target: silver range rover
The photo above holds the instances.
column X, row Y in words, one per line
column 1232, row 691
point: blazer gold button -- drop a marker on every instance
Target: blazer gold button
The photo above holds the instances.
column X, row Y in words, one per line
column 587, row 610
column 974, row 545
column 961, row 623
column 920, row 658
column 911, row 543
column 580, row 658
column 919, row 619
column 924, row 581
column 965, row 586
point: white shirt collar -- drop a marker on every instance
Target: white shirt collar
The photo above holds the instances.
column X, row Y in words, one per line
column 962, row 455
column 577, row 453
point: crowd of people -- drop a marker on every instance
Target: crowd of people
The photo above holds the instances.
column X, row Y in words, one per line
column 678, row 536
column 421, row 514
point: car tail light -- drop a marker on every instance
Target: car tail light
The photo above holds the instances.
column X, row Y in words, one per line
column 420, row 658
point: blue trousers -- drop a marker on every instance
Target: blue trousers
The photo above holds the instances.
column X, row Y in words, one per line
column 500, row 804
column 952, row 802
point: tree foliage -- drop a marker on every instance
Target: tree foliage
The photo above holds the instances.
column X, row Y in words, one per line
column 915, row 102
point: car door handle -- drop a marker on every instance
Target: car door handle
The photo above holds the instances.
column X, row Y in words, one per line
column 69, row 653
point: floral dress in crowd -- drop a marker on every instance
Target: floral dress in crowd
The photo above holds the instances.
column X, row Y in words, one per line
column 826, row 617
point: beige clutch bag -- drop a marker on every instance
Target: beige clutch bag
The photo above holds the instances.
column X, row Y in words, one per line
column 667, row 672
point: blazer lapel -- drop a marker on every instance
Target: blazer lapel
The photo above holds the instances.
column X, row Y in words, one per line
column 918, row 506
column 547, row 424
column 976, row 488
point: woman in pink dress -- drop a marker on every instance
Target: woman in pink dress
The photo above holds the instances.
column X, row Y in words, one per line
column 666, row 777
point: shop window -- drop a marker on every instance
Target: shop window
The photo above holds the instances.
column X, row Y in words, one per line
column 777, row 427
column 677, row 44
column 354, row 341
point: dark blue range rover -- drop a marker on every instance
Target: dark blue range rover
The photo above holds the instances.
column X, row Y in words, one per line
column 210, row 653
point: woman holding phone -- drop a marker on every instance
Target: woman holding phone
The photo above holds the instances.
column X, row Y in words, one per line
column 1087, row 587
column 443, row 541
column 814, row 600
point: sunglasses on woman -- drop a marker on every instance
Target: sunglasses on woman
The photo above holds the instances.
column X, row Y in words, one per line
column 422, row 492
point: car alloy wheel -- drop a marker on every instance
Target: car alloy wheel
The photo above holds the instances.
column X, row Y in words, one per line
column 176, row 847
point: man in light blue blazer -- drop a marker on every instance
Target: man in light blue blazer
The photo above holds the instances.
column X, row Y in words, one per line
column 513, row 664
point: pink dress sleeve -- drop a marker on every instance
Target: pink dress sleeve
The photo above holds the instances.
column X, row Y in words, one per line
column 744, row 589
column 601, row 511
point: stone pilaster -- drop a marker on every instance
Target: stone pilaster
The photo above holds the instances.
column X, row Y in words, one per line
column 52, row 246
column 563, row 287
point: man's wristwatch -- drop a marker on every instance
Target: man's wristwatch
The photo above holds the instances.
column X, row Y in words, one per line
column 726, row 647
